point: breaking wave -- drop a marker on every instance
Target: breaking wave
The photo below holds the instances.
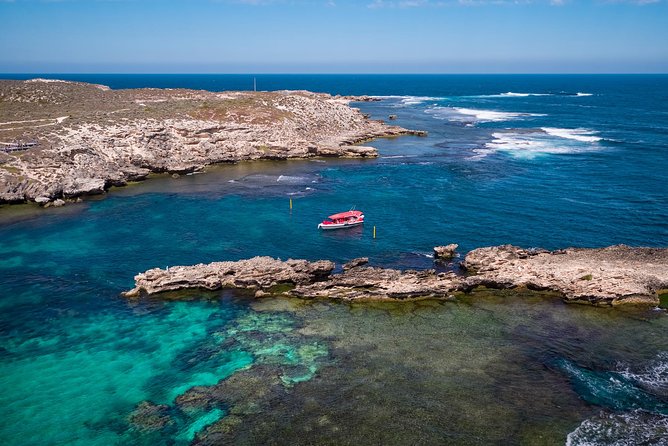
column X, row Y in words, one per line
column 521, row 95
column 652, row 376
column 583, row 135
column 621, row 429
column 405, row 101
column 530, row 143
column 293, row 179
column 460, row 114
column 513, row 94
column 634, row 398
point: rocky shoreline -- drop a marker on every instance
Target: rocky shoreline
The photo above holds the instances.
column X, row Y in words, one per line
column 607, row 276
column 60, row 140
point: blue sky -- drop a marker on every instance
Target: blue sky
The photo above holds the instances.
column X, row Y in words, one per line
column 334, row 36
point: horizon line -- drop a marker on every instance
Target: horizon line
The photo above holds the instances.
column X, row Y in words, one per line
column 26, row 73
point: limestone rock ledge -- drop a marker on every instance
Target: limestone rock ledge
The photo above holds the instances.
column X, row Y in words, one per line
column 607, row 276
column 259, row 273
column 88, row 138
column 306, row 279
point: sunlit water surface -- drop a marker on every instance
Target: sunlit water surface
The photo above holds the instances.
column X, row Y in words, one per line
column 535, row 161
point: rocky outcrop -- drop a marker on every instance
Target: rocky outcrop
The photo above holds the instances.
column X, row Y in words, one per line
column 310, row 279
column 258, row 273
column 446, row 252
column 369, row 283
column 607, row 276
column 354, row 263
column 90, row 138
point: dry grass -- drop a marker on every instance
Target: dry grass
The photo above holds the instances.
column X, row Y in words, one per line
column 40, row 103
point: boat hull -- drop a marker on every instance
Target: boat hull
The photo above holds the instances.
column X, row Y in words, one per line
column 339, row 225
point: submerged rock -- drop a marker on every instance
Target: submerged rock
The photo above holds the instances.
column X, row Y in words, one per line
column 251, row 384
column 149, row 416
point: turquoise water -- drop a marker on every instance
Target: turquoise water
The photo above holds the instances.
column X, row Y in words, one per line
column 551, row 169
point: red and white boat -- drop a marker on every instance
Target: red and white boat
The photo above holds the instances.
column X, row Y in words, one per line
column 343, row 220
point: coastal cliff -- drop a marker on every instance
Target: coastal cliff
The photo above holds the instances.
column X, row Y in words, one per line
column 607, row 276
column 60, row 140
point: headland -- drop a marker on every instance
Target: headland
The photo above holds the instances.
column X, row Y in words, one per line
column 61, row 140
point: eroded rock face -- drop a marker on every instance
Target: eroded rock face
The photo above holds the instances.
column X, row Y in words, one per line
column 446, row 252
column 311, row 279
column 607, row 276
column 259, row 273
column 368, row 283
column 354, row 263
column 90, row 138
column 612, row 275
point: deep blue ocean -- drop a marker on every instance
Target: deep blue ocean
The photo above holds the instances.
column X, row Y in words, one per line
column 534, row 160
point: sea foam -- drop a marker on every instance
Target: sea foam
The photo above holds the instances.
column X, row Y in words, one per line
column 512, row 94
column 461, row 114
column 405, row 101
column 652, row 376
column 620, row 429
column 583, row 135
column 534, row 142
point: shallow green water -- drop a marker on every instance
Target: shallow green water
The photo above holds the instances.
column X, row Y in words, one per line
column 485, row 369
